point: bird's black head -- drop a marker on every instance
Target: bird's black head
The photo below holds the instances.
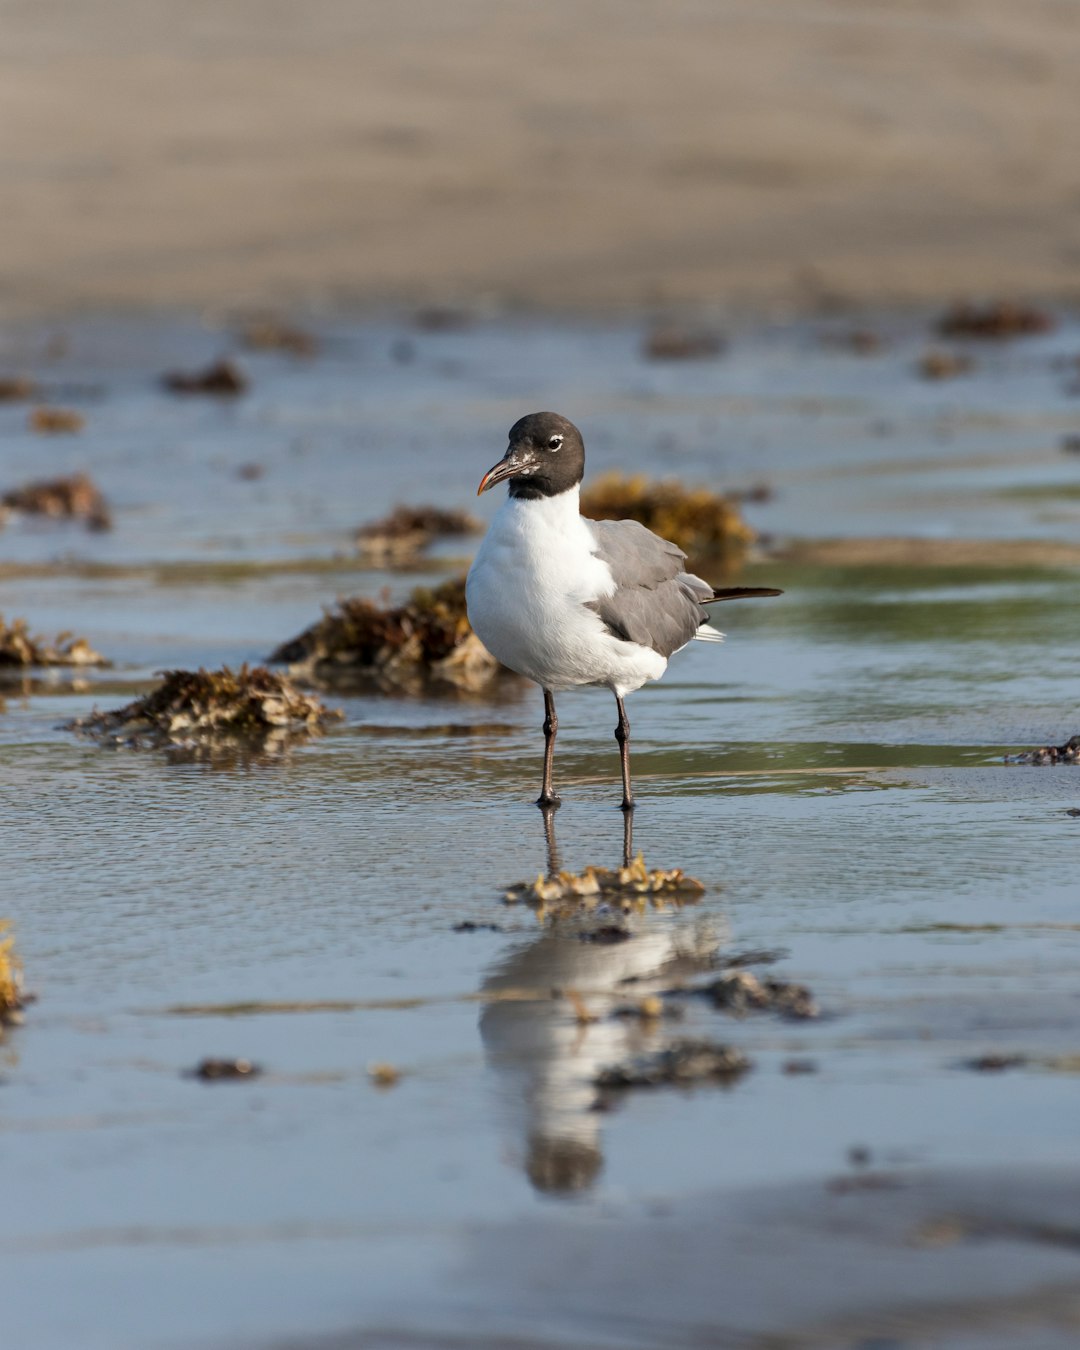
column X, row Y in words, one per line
column 546, row 456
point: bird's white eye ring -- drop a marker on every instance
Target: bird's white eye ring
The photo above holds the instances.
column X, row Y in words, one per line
column 554, row 442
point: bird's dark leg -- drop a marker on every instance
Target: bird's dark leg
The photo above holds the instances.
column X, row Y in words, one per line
column 547, row 798
column 627, row 838
column 622, row 735
column 549, row 840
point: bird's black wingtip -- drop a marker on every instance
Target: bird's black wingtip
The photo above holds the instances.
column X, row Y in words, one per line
column 741, row 593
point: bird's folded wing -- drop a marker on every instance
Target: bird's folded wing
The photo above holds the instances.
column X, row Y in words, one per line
column 636, row 556
column 655, row 603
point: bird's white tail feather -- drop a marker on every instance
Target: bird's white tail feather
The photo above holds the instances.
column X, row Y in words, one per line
column 707, row 633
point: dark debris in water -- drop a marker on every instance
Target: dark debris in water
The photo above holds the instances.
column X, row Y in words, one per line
column 222, row 378
column 796, row 1067
column 995, row 320
column 996, row 1063
column 606, row 935
column 1069, row 753
column 630, row 887
column 679, row 342
column 20, row 648
column 408, row 530
column 213, row 711
column 428, row 639
column 73, row 498
column 468, row 926
column 681, row 1064
column 741, row 992
column 704, row 524
column 224, row 1070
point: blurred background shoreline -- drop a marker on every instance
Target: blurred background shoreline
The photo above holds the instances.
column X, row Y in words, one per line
column 583, row 154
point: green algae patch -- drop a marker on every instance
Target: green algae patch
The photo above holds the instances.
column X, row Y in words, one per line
column 213, row 714
column 704, row 524
column 428, row 640
column 19, row 648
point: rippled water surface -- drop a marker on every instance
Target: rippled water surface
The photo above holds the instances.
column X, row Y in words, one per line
column 834, row 774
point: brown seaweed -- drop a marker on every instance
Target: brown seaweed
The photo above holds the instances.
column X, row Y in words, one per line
column 74, row 498
column 995, row 320
column 55, row 421
column 704, row 524
column 213, row 713
column 11, row 988
column 1069, row 753
column 222, row 378
column 678, row 342
column 20, row 648
column 408, row 530
column 426, row 639
column 267, row 333
column 632, row 887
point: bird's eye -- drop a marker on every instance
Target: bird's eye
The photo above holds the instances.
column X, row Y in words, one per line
column 554, row 442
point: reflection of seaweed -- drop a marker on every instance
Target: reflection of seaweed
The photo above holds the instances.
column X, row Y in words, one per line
column 427, row 638
column 681, row 1064
column 213, row 715
column 704, row 524
column 11, row 1000
column 18, row 647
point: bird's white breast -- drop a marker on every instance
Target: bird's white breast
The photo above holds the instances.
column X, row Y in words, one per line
column 528, row 592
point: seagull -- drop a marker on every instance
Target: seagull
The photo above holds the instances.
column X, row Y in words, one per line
column 567, row 601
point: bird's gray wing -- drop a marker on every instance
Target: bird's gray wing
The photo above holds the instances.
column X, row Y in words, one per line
column 656, row 603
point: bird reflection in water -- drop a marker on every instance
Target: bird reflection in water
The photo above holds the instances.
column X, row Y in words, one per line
column 545, row 1057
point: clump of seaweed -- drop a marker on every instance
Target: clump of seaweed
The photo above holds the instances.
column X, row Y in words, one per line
column 681, row 1064
column 224, row 1070
column 19, row 647
column 627, row 888
column 937, row 364
column 74, row 498
column 408, row 530
column 213, row 715
column 11, row 994
column 996, row 320
column 56, row 421
column 266, row 333
column 1069, row 753
column 741, row 992
column 678, row 342
column 223, row 378
column 17, row 389
column 702, row 523
column 426, row 639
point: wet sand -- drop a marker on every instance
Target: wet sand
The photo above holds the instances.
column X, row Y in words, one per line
column 564, row 155
column 834, row 775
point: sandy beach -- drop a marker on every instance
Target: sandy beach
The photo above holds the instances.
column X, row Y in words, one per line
column 586, row 153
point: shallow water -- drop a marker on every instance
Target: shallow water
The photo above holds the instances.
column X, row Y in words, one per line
column 834, row 774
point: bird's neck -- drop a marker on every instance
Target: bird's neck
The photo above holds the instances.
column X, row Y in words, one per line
column 561, row 512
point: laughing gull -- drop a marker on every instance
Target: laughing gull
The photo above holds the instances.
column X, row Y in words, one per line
column 567, row 601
